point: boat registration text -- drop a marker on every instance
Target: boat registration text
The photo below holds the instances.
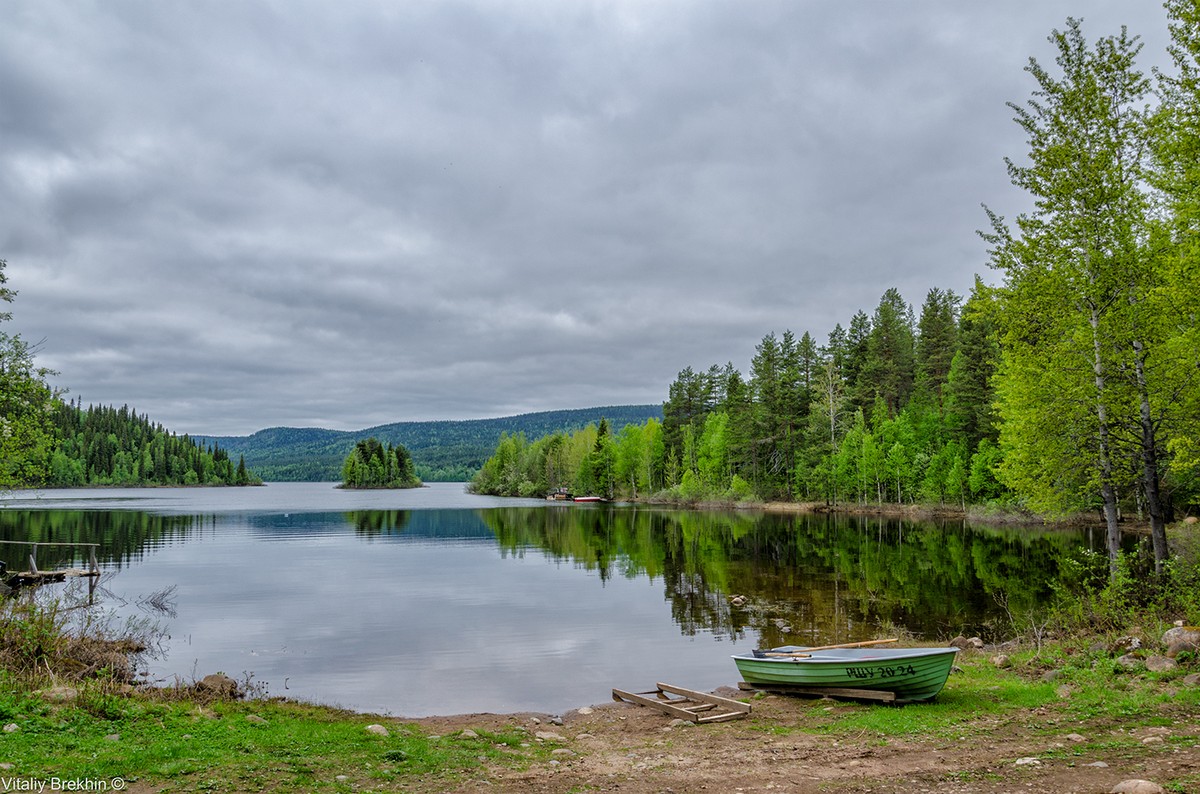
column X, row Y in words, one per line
column 880, row 672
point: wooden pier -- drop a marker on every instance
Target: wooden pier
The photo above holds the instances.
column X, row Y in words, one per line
column 34, row 576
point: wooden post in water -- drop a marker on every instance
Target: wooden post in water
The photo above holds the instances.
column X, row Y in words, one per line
column 33, row 559
column 94, row 566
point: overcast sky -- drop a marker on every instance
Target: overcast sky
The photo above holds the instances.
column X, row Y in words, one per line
column 236, row 215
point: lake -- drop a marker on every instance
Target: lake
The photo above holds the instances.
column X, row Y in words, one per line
column 435, row 601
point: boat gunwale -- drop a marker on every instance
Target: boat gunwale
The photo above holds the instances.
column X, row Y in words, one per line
column 845, row 655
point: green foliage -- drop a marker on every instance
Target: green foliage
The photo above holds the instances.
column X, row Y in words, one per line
column 371, row 465
column 26, row 401
column 1097, row 345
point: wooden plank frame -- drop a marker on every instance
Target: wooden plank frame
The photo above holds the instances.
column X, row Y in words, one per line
column 688, row 706
column 877, row 695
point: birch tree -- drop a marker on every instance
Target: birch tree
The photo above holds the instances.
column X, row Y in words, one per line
column 1069, row 269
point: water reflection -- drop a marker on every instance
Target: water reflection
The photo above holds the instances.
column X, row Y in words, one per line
column 124, row 537
column 420, row 610
column 823, row 578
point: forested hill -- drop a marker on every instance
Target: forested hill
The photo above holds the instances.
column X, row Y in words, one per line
column 443, row 450
column 103, row 445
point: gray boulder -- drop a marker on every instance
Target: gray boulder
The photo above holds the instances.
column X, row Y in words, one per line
column 1181, row 638
column 1160, row 664
column 218, row 685
column 1137, row 787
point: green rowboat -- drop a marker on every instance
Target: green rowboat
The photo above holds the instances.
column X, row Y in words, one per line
column 910, row 673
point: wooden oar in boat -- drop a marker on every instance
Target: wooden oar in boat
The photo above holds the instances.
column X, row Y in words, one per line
column 808, row 651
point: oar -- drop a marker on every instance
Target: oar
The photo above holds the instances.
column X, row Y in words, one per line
column 808, row 651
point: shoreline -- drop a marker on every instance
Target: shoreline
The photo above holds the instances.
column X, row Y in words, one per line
column 975, row 514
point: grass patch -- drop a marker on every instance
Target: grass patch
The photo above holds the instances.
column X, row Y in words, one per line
column 238, row 746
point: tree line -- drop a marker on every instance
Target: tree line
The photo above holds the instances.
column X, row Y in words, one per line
column 102, row 445
column 1069, row 386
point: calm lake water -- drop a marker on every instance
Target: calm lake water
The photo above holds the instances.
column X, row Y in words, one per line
column 435, row 601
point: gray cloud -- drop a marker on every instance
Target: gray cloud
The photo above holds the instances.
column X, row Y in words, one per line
column 235, row 215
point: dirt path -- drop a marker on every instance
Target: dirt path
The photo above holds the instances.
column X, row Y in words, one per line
column 634, row 750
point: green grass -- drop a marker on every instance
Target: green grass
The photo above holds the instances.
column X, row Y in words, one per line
column 273, row 745
column 217, row 748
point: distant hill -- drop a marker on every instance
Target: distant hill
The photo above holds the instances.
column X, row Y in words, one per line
column 449, row 450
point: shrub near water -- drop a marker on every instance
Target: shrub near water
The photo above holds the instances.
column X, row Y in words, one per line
column 58, row 638
column 1092, row 598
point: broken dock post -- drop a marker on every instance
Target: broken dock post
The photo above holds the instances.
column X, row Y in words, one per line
column 35, row 576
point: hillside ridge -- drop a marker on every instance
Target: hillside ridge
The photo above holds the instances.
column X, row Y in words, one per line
column 450, row 449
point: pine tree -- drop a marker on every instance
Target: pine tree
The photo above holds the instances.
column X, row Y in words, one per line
column 888, row 369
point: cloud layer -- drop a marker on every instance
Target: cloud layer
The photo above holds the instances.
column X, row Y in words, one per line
column 237, row 215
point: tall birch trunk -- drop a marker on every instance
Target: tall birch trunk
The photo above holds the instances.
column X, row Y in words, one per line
column 1150, row 462
column 1107, row 491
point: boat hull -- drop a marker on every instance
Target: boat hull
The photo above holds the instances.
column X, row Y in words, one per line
column 911, row 673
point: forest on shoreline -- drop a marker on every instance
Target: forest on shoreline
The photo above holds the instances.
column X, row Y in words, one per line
column 1068, row 387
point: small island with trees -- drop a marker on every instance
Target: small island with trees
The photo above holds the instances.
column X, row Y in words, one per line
column 371, row 465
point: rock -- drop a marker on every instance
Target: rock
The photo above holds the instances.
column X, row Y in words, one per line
column 1001, row 660
column 679, row 723
column 257, row 720
column 738, row 601
column 1129, row 662
column 556, row 720
column 378, row 730
column 59, row 694
column 220, row 685
column 548, row 736
column 1051, row 675
column 974, row 643
column 1152, row 740
column 1191, row 520
column 468, row 734
column 12, row 727
column 7, row 767
column 113, row 737
column 342, row 778
column 1160, row 664
column 1098, row 765
column 1181, row 638
column 1136, row 787
column 562, row 752
column 1027, row 762
column 1063, row 691
column 1075, row 737
column 585, row 710
column 1191, row 680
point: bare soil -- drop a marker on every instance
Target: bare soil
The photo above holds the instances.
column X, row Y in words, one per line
column 621, row 747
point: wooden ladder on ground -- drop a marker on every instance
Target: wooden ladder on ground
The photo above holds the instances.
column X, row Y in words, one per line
column 688, row 705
